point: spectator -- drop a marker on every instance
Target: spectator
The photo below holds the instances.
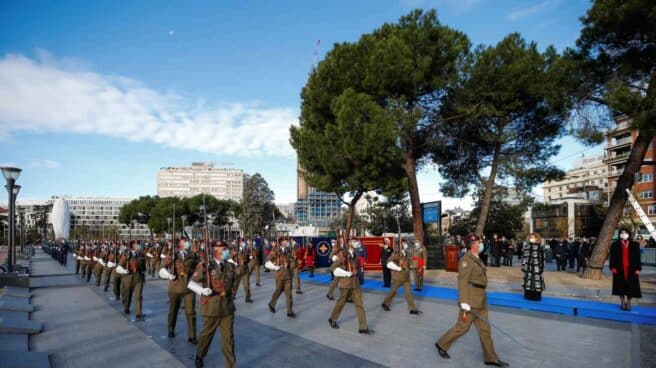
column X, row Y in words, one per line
column 510, row 253
column 573, row 252
column 533, row 267
column 560, row 253
column 584, row 253
column 641, row 242
column 625, row 265
column 496, row 251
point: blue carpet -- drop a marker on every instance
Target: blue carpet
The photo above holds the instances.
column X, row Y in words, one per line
column 571, row 307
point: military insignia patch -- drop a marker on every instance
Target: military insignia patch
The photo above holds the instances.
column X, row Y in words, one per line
column 464, row 264
column 323, row 248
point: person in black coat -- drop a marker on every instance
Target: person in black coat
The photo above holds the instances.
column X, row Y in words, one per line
column 533, row 267
column 384, row 256
column 560, row 253
column 625, row 265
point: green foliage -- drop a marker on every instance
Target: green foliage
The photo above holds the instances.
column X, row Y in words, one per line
column 366, row 107
column 257, row 209
column 613, row 67
column 138, row 210
column 508, row 111
column 383, row 218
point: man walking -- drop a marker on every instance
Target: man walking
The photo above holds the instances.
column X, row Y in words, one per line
column 472, row 281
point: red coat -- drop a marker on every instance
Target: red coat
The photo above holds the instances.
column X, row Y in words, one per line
column 625, row 284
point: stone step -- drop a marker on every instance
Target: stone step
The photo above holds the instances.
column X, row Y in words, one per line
column 18, row 323
column 12, row 303
column 16, row 292
column 16, row 359
column 14, row 342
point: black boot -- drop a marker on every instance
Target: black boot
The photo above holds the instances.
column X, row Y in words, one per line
column 198, row 362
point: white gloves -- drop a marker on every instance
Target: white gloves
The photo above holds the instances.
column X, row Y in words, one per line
column 466, row 307
column 339, row 272
column 95, row 259
column 334, row 258
column 162, row 256
column 74, row 255
column 149, row 255
column 101, row 261
column 392, row 266
column 206, row 291
column 271, row 267
column 195, row 287
column 165, row 274
column 121, row 270
column 111, row 264
column 250, row 257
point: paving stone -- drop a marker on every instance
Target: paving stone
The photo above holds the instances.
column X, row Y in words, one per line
column 16, row 359
column 14, row 342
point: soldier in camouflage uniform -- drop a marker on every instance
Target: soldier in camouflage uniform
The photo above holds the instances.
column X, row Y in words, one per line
column 417, row 266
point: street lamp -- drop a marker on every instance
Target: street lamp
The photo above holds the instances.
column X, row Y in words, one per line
column 168, row 220
column 11, row 174
column 184, row 218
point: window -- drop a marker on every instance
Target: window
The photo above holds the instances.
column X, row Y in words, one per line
column 651, row 209
column 644, row 178
column 646, row 194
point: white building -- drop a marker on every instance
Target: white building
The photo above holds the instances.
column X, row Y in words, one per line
column 286, row 209
column 200, row 177
column 587, row 179
column 99, row 215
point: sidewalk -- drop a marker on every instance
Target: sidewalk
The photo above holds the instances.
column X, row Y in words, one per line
column 81, row 329
column 565, row 284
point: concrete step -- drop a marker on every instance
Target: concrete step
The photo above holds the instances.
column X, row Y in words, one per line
column 18, row 304
column 16, row 359
column 14, row 342
column 16, row 292
column 18, row 323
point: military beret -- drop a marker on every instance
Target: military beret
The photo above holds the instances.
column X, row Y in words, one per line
column 471, row 238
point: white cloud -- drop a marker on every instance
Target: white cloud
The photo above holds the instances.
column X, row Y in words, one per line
column 47, row 164
column 531, row 10
column 47, row 95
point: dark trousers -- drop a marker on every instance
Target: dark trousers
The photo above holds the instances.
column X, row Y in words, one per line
column 387, row 277
column 560, row 264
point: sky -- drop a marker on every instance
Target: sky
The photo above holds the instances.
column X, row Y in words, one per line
column 97, row 96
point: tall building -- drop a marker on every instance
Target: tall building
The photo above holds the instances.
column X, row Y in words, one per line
column 588, row 179
column 99, row 216
column 314, row 207
column 200, row 177
column 619, row 142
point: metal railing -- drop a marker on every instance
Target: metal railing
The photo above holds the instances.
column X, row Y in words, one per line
column 648, row 256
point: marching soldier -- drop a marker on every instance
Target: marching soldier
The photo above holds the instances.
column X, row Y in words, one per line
column 214, row 280
column 242, row 270
column 178, row 268
column 254, row 262
column 155, row 260
column 344, row 269
column 417, row 266
column 472, row 281
column 134, row 279
column 100, row 265
column 119, row 270
column 90, row 262
column 384, row 258
column 85, row 258
column 279, row 260
column 399, row 264
column 296, row 265
column 109, row 265
column 149, row 257
column 79, row 258
column 336, row 248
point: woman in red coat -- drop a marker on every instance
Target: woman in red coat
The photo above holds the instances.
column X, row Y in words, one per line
column 626, row 266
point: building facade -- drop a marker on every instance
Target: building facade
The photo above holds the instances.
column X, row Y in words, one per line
column 201, row 177
column 313, row 207
column 619, row 142
column 97, row 218
column 588, row 179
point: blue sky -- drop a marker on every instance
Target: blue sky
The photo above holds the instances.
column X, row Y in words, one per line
column 96, row 96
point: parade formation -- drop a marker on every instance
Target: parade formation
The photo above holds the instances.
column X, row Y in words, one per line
column 212, row 271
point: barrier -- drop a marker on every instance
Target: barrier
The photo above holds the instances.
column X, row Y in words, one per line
column 648, row 256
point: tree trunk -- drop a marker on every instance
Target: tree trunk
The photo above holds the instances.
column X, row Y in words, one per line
column 617, row 203
column 487, row 197
column 351, row 214
column 413, row 188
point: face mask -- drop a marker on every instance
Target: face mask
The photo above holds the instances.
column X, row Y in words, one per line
column 624, row 236
column 225, row 255
column 187, row 245
column 405, row 246
column 481, row 247
column 356, row 245
column 139, row 247
column 532, row 240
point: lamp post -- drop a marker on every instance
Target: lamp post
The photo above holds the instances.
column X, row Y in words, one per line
column 168, row 220
column 182, row 232
column 11, row 174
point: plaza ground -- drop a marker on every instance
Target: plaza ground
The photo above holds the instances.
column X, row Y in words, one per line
column 83, row 327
